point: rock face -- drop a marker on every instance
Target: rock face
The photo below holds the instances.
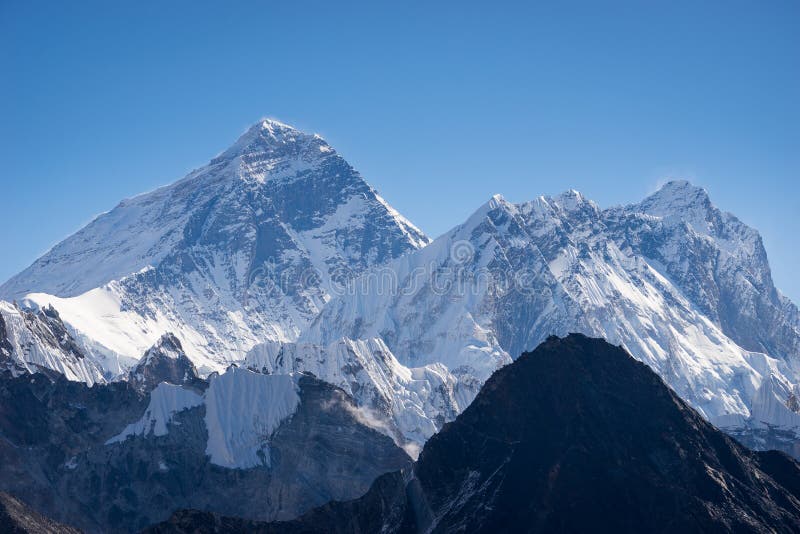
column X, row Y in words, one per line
column 17, row 518
column 243, row 250
column 576, row 436
column 278, row 250
column 66, row 450
column 163, row 362
column 683, row 286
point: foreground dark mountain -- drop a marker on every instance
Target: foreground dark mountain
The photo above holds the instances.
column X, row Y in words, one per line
column 112, row 458
column 576, row 436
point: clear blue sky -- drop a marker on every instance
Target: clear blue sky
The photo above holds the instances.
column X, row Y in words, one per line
column 438, row 104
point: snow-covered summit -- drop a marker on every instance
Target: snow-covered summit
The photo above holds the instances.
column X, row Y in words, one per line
column 680, row 202
column 269, row 147
column 674, row 197
column 244, row 250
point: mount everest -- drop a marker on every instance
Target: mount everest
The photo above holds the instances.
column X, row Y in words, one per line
column 241, row 251
column 279, row 258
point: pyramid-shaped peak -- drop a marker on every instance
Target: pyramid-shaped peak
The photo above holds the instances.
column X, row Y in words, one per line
column 168, row 342
column 682, row 202
column 277, row 129
column 681, row 187
column 570, row 200
column 165, row 361
column 276, row 138
column 675, row 196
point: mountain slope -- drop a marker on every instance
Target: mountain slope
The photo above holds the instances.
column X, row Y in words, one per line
column 32, row 341
column 668, row 279
column 243, row 250
column 720, row 264
column 110, row 459
column 17, row 518
column 576, row 436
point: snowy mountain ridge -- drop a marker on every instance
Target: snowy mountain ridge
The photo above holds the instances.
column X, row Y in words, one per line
column 31, row 341
column 683, row 286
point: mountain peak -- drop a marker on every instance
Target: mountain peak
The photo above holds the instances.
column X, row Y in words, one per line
column 271, row 139
column 163, row 362
column 168, row 344
column 496, row 202
column 572, row 200
column 276, row 130
column 681, row 202
column 674, row 197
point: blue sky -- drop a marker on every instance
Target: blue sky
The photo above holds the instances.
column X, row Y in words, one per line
column 438, row 104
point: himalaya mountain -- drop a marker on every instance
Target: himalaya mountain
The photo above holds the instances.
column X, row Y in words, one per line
column 278, row 256
column 683, row 286
column 120, row 456
column 576, row 436
column 241, row 251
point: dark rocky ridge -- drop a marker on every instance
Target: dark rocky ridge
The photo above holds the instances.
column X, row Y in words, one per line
column 164, row 362
column 576, row 436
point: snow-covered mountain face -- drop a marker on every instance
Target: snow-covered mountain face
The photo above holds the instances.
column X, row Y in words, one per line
column 31, row 341
column 244, row 250
column 681, row 285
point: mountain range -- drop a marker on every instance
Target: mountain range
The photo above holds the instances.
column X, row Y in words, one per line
column 683, row 286
column 273, row 293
